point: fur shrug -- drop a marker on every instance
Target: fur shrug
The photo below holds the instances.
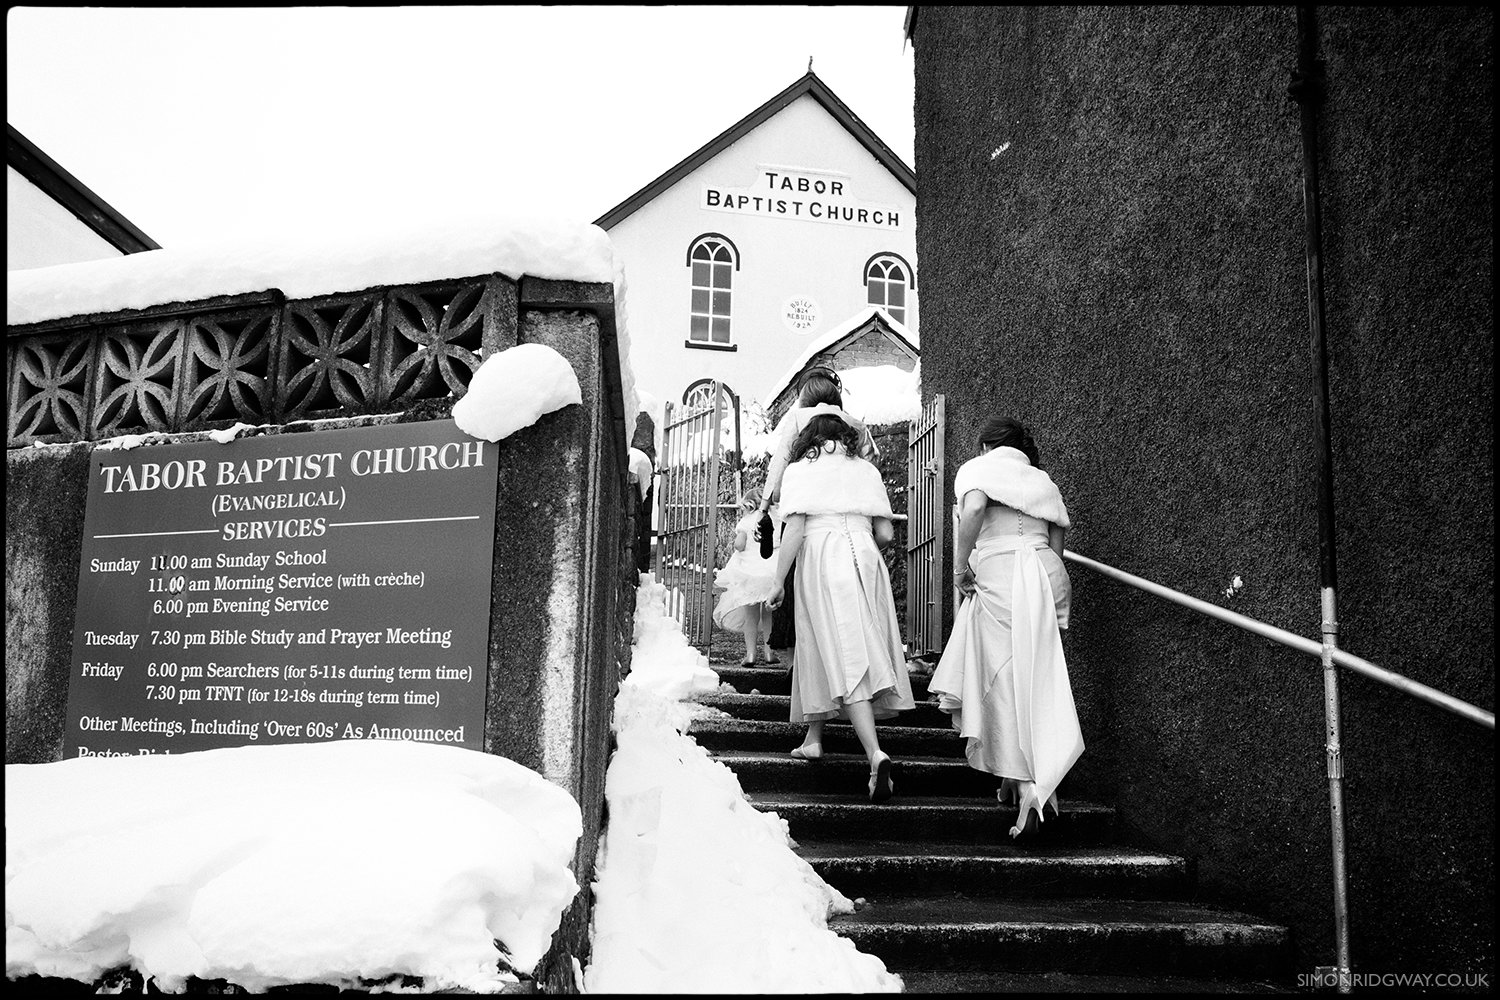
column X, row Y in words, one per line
column 1006, row 476
column 834, row 483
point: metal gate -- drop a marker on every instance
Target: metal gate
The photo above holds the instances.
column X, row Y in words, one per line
column 688, row 530
column 926, row 522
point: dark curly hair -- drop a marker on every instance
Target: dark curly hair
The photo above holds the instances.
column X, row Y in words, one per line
column 1008, row 432
column 824, row 427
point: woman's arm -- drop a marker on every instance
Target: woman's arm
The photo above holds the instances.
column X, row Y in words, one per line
column 970, row 517
column 786, row 436
column 884, row 531
column 791, row 544
column 739, row 540
column 1055, row 538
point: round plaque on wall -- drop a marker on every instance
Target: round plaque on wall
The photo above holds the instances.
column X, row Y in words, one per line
column 800, row 313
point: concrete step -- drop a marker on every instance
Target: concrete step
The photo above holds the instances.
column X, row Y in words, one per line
column 836, row 773
column 943, row 932
column 883, row 867
column 776, row 679
column 926, row 981
column 777, row 708
column 717, row 734
column 919, row 820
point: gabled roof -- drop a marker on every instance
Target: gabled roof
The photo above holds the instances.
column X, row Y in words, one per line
column 857, row 325
column 71, row 193
column 809, row 84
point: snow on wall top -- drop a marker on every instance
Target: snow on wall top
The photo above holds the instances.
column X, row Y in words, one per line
column 347, row 261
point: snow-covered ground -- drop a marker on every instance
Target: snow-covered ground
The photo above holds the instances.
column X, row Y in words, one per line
column 696, row 891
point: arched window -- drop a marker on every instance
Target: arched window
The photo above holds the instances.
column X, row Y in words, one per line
column 887, row 280
column 713, row 260
column 700, row 394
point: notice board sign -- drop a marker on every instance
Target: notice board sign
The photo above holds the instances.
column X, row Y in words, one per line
column 287, row 588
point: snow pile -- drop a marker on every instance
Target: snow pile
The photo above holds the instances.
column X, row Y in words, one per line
column 513, row 389
column 388, row 252
column 642, row 469
column 697, row 891
column 303, row 863
column 661, row 660
column 882, row 394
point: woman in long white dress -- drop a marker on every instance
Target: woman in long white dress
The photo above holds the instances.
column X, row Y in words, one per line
column 1002, row 675
column 848, row 661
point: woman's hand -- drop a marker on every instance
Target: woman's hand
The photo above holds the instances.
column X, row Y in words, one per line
column 777, row 596
column 964, row 581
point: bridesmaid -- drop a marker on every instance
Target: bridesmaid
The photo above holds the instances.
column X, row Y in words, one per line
column 1002, row 675
column 821, row 392
column 848, row 661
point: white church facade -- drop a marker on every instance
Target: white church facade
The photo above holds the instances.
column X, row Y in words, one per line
column 790, row 224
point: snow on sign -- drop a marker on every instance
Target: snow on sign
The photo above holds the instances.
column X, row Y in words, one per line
column 285, row 589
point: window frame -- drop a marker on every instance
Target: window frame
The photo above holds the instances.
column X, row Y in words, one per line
column 884, row 280
column 722, row 259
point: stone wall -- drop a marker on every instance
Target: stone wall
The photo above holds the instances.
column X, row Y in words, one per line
column 1113, row 250
column 563, row 584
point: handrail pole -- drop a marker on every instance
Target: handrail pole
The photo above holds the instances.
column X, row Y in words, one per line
column 1291, row 639
column 1305, row 90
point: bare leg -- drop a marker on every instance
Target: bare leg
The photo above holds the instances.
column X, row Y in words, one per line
column 812, row 743
column 751, row 632
column 862, row 718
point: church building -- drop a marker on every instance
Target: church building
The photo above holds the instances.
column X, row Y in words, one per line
column 793, row 222
column 51, row 217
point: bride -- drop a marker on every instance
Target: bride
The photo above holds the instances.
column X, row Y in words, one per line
column 1002, row 675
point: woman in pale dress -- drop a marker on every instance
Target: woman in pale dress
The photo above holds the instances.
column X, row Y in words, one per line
column 1002, row 675
column 821, row 391
column 848, row 661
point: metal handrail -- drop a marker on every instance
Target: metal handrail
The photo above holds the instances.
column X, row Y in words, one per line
column 1398, row 681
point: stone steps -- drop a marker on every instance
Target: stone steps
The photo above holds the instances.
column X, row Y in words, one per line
column 1119, row 937
column 949, row 901
column 875, row 869
column 838, row 737
column 842, row 773
column 927, row 818
column 777, row 708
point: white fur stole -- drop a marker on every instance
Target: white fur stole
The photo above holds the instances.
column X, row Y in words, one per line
column 834, row 483
column 1006, row 476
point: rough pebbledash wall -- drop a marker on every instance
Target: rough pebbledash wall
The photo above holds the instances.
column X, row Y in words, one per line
column 1113, row 251
column 562, row 587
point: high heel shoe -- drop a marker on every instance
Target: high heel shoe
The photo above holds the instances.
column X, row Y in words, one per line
column 808, row 751
column 881, row 785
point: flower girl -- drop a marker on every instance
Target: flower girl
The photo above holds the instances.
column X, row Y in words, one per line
column 747, row 580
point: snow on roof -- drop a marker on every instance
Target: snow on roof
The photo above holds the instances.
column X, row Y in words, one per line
column 350, row 260
column 833, row 336
column 883, row 394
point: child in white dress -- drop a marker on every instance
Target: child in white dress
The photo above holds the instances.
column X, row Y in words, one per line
column 747, row 581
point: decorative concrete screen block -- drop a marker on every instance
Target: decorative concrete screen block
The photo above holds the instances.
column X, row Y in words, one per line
column 328, row 356
column 227, row 368
column 209, row 364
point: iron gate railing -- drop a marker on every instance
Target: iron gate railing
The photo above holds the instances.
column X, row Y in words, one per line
column 926, row 514
column 688, row 506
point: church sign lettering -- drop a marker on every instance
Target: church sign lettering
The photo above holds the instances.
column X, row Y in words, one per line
column 784, row 193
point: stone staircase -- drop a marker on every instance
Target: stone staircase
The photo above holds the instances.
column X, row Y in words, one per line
column 946, row 900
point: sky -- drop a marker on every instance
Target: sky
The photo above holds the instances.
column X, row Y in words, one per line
column 206, row 125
